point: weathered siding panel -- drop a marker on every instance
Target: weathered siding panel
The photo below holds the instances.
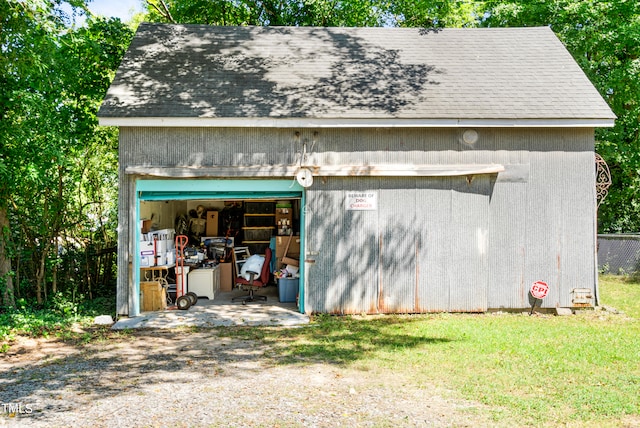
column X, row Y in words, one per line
column 432, row 261
column 539, row 228
column 433, row 207
column 435, row 243
column 210, row 146
column 124, row 281
column 508, row 217
column 344, row 245
column 325, row 279
column 507, row 246
column 399, row 243
column 468, row 232
column 577, row 257
column 543, row 229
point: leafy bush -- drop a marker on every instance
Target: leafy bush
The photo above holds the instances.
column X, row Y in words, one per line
column 57, row 317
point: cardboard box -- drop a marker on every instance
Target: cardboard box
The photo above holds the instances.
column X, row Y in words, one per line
column 162, row 235
column 212, row 223
column 145, row 226
column 281, row 244
column 147, row 253
column 226, row 276
column 281, row 265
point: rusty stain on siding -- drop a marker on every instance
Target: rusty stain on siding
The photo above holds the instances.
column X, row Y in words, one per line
column 416, row 306
column 380, row 305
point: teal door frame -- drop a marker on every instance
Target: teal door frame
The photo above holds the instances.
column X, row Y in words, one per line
column 186, row 189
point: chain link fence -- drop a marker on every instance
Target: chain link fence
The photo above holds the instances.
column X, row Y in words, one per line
column 619, row 254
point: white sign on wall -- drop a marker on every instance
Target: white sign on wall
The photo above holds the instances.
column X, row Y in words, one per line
column 361, row 201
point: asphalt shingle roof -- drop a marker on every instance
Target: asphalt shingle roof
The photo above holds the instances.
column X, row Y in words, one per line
column 197, row 71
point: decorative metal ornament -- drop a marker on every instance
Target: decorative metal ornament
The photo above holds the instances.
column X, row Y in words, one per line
column 603, row 180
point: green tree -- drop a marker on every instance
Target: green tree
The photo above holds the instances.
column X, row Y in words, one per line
column 268, row 12
column 57, row 166
column 432, row 13
column 604, row 38
column 25, row 44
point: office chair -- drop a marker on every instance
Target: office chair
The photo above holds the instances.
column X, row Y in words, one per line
column 256, row 281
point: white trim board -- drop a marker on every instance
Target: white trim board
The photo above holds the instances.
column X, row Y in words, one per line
column 266, row 122
column 319, row 171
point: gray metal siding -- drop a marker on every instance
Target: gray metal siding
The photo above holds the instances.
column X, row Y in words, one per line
column 208, row 146
column 399, row 244
column 543, row 229
column 125, row 245
column 344, row 277
column 507, row 248
column 540, row 227
column 433, row 208
column 469, row 243
column 435, row 243
column 431, row 253
column 579, row 199
column 453, row 261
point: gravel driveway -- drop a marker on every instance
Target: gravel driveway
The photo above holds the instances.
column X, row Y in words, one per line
column 173, row 378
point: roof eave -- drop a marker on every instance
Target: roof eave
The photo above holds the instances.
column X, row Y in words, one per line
column 266, row 122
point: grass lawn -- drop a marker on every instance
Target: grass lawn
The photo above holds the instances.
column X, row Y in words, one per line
column 540, row 370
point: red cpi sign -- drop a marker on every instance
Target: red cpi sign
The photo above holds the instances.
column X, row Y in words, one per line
column 539, row 289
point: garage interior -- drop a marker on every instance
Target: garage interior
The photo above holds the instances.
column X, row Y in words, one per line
column 199, row 247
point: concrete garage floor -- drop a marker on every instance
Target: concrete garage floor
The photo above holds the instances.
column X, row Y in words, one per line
column 221, row 311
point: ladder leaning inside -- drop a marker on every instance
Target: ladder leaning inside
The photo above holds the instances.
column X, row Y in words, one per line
column 240, row 256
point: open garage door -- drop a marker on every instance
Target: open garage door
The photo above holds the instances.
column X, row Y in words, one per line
column 161, row 201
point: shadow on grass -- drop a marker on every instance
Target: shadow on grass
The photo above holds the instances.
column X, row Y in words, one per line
column 340, row 340
column 132, row 361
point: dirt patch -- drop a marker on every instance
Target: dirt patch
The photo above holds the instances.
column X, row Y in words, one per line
column 183, row 378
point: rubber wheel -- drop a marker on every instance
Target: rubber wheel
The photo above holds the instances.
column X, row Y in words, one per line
column 183, row 303
column 193, row 297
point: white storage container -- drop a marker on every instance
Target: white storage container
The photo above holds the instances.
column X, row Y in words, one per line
column 204, row 282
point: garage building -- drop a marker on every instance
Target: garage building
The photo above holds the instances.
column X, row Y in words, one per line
column 426, row 170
